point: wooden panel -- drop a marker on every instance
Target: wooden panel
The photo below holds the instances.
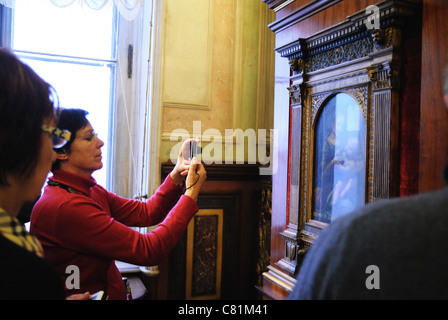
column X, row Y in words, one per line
column 204, row 255
column 294, row 184
column 297, row 11
column 322, row 20
column 294, row 24
column 434, row 117
column 236, row 191
column 280, row 178
column 410, row 108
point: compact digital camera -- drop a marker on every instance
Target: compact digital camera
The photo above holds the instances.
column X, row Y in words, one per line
column 194, row 149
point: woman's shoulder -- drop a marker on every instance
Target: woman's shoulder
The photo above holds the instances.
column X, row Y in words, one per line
column 34, row 278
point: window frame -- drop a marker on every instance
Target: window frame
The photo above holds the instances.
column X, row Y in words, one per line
column 129, row 177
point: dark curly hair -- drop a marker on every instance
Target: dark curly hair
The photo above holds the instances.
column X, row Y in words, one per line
column 26, row 100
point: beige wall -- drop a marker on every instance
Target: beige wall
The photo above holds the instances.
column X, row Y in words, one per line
column 217, row 68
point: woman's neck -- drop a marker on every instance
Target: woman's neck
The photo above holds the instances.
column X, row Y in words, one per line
column 83, row 173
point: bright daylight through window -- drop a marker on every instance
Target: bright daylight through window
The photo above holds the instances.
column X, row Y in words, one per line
column 74, row 49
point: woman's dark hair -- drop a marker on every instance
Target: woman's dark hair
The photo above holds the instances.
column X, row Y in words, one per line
column 25, row 102
column 71, row 120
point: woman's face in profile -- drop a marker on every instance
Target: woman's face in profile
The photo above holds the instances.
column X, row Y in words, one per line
column 85, row 155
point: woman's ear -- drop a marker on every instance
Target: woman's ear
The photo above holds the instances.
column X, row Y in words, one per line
column 62, row 156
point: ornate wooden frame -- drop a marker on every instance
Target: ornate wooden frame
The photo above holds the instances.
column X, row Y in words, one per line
column 366, row 64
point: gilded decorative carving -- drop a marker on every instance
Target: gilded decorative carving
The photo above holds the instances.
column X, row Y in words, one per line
column 382, row 38
column 344, row 53
column 320, row 59
column 264, row 230
column 360, row 93
column 347, row 58
column 294, row 94
column 297, row 65
column 384, row 76
column 316, row 102
column 347, row 43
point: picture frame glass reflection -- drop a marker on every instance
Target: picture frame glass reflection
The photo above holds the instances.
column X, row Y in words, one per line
column 339, row 159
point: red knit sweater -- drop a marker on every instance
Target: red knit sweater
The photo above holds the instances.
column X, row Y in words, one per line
column 89, row 229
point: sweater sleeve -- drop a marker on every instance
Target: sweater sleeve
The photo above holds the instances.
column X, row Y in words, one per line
column 143, row 214
column 84, row 227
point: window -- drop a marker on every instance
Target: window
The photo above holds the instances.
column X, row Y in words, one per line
column 77, row 59
column 84, row 54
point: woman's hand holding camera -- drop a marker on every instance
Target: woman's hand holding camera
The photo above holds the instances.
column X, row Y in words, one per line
column 192, row 169
column 196, row 177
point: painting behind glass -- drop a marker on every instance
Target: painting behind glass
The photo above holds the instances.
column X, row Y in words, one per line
column 339, row 159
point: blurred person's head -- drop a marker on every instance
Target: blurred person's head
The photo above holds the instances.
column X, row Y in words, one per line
column 27, row 130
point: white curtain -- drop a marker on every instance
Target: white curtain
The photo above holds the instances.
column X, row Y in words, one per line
column 128, row 9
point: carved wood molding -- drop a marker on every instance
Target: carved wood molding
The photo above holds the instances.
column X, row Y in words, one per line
column 274, row 4
column 348, row 40
column 300, row 14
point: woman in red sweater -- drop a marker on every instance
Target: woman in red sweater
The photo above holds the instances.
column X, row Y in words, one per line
column 81, row 224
